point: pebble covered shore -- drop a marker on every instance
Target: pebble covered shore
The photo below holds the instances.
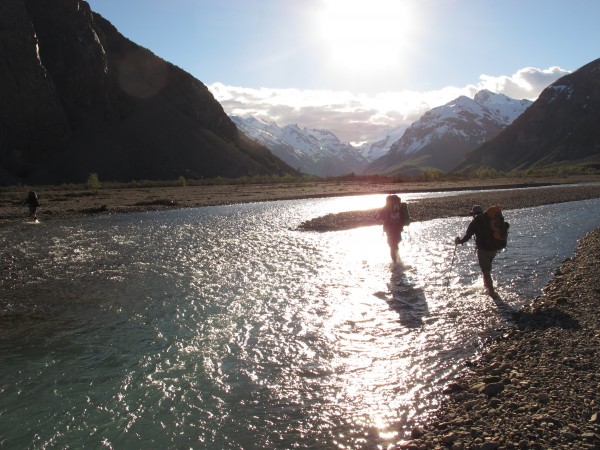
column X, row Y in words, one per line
column 537, row 386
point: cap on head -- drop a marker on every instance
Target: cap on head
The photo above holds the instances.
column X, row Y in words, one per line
column 476, row 210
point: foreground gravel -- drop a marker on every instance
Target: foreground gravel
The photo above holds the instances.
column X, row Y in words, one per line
column 538, row 385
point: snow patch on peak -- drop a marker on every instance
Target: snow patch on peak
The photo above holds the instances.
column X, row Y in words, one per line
column 506, row 108
column 464, row 117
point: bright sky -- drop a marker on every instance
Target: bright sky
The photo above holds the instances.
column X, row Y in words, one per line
column 357, row 67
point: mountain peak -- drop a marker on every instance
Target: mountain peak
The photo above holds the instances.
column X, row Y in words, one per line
column 445, row 134
column 485, row 96
column 560, row 126
column 316, row 152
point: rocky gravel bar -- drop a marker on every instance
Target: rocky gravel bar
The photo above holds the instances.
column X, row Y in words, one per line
column 458, row 205
column 537, row 385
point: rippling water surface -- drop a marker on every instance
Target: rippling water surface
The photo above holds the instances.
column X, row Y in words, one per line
column 223, row 327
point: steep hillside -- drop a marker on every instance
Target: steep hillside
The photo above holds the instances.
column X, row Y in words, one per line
column 78, row 97
column 560, row 127
column 444, row 135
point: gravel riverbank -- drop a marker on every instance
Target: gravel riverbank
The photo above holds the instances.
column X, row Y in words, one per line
column 458, row 205
column 537, row 386
column 56, row 203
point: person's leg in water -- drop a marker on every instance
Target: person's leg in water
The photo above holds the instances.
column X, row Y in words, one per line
column 485, row 258
column 394, row 238
column 394, row 253
column 488, row 283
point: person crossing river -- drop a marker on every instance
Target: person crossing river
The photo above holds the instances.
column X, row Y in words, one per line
column 395, row 216
column 490, row 232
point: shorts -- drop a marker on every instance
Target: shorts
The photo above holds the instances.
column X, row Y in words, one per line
column 485, row 258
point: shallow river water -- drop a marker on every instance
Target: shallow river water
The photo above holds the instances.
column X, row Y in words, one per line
column 225, row 328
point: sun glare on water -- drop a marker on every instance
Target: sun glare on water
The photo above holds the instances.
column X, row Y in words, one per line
column 362, row 36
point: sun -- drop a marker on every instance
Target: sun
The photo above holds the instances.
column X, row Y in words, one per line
column 366, row 35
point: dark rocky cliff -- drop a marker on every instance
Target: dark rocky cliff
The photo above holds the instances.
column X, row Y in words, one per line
column 78, row 97
column 562, row 126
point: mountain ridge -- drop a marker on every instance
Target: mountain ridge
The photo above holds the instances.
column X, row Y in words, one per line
column 79, row 97
column 438, row 140
column 442, row 136
column 311, row 151
column 561, row 126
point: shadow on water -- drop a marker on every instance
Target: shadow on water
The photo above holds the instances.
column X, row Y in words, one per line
column 506, row 311
column 404, row 298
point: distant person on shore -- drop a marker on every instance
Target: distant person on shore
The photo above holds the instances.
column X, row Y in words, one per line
column 33, row 203
column 393, row 224
column 488, row 240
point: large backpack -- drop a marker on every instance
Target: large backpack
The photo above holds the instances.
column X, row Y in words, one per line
column 396, row 211
column 32, row 199
column 497, row 228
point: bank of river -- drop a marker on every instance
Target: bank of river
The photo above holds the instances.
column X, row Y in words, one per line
column 459, row 205
column 58, row 203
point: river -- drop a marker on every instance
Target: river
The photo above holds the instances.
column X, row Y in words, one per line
column 226, row 328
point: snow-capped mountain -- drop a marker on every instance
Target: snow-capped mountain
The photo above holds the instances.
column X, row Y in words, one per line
column 315, row 152
column 561, row 127
column 442, row 137
column 381, row 145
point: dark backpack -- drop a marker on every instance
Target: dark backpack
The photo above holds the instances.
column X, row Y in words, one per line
column 395, row 213
column 32, row 199
column 394, row 209
column 496, row 228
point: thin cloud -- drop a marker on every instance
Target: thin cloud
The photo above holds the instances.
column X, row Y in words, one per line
column 359, row 117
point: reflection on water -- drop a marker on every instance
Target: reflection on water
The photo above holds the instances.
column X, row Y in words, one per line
column 405, row 298
column 225, row 328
